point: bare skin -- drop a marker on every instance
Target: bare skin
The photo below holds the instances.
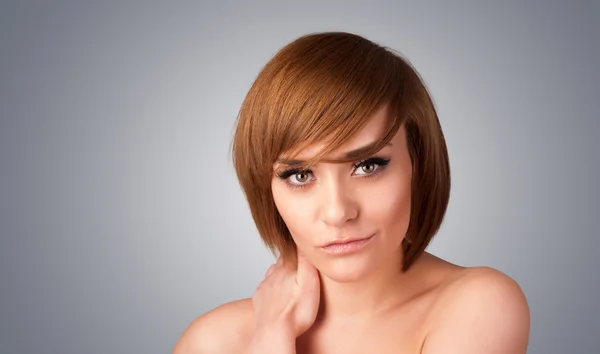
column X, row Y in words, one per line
column 361, row 302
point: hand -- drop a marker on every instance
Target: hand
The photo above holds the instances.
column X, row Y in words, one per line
column 287, row 300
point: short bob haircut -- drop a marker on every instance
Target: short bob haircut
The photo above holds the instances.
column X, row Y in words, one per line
column 323, row 88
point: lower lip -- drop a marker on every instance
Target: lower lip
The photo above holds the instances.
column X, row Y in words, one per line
column 345, row 248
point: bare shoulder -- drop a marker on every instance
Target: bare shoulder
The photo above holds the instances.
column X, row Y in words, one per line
column 480, row 310
column 225, row 329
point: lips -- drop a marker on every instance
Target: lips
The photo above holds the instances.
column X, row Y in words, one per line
column 346, row 241
column 347, row 246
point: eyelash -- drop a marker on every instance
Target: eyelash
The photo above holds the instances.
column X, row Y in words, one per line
column 380, row 162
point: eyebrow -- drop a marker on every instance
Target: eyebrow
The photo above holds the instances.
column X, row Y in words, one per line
column 348, row 155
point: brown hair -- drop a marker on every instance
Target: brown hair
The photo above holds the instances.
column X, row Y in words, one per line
column 324, row 87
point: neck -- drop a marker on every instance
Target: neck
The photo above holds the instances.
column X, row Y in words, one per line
column 367, row 296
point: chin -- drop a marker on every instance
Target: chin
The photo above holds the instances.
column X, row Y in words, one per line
column 347, row 269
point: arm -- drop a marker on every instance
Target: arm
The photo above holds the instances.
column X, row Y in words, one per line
column 274, row 341
column 484, row 312
column 225, row 329
column 228, row 329
column 284, row 306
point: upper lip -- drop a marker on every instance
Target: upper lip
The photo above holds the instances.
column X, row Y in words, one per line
column 342, row 241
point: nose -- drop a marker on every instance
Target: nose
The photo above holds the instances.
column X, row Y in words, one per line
column 337, row 204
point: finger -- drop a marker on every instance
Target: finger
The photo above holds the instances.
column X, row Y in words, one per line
column 308, row 279
column 306, row 271
column 276, row 270
column 270, row 270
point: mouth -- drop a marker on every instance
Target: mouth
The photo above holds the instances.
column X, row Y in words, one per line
column 346, row 246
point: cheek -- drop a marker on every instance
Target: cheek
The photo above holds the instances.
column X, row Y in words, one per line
column 390, row 206
column 294, row 210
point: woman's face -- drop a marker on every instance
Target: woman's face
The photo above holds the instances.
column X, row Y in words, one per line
column 366, row 200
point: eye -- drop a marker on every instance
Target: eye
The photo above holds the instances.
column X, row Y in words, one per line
column 301, row 177
column 370, row 166
column 295, row 178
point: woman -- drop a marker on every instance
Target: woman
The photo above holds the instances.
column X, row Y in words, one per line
column 341, row 156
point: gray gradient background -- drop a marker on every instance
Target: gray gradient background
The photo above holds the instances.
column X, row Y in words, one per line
column 121, row 218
